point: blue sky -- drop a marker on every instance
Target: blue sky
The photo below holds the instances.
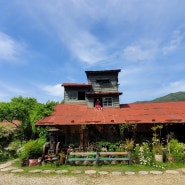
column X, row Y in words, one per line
column 45, row 43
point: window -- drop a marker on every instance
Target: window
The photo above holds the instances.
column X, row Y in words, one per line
column 81, row 95
column 105, row 81
column 77, row 95
column 72, row 95
column 107, row 102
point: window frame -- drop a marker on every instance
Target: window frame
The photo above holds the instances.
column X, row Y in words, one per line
column 107, row 102
column 73, row 95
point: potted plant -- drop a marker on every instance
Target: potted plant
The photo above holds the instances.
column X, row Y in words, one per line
column 158, row 152
column 175, row 151
column 156, row 144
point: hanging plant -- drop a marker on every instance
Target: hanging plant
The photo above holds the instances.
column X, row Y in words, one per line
column 84, row 127
column 122, row 127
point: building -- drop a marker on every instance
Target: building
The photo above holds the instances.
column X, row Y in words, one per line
column 102, row 85
column 82, row 123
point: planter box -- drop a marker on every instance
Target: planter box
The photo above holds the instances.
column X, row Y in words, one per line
column 158, row 157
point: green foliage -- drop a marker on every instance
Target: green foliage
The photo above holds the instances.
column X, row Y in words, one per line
column 177, row 150
column 143, row 154
column 4, row 156
column 6, row 136
column 111, row 147
column 129, row 144
column 156, row 139
column 122, row 127
column 28, row 111
column 32, row 149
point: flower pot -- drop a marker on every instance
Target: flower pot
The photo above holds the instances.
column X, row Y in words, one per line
column 158, row 157
column 33, row 162
column 62, row 161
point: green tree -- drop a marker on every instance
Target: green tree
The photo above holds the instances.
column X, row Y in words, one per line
column 6, row 136
column 27, row 111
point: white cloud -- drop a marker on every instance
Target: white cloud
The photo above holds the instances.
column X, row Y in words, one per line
column 54, row 90
column 143, row 50
column 87, row 48
column 10, row 49
column 173, row 87
column 136, row 53
column 175, row 42
column 10, row 88
column 147, row 93
column 73, row 21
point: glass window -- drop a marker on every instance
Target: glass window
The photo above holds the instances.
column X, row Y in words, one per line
column 107, row 102
column 72, row 95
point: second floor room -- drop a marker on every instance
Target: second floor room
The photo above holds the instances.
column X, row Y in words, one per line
column 101, row 85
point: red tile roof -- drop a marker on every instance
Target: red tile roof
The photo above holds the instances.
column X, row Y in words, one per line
column 75, row 114
column 13, row 125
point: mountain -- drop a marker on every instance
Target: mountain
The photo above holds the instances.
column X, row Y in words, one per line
column 178, row 96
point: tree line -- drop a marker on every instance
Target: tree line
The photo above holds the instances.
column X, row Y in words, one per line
column 27, row 111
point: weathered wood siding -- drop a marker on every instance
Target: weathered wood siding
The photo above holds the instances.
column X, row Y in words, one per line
column 67, row 92
column 116, row 101
column 102, row 83
column 111, row 87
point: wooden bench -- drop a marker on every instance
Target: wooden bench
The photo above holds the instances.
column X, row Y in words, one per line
column 115, row 156
column 98, row 156
column 81, row 156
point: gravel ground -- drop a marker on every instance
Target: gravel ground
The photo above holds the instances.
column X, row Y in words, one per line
column 9, row 178
column 82, row 179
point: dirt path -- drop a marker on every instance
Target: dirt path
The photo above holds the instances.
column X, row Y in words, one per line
column 20, row 179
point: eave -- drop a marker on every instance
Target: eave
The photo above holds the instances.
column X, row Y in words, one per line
column 75, row 85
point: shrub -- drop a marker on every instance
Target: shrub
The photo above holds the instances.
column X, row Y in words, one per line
column 32, row 149
column 3, row 157
column 111, row 147
column 176, row 149
column 144, row 154
column 6, row 136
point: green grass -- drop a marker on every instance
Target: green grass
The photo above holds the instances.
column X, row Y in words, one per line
column 108, row 168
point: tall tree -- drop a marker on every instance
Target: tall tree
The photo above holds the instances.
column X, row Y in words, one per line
column 27, row 111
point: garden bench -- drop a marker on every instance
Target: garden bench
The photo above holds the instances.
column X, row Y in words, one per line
column 98, row 156
column 115, row 156
column 81, row 156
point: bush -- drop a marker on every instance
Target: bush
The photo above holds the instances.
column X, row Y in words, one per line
column 176, row 149
column 3, row 157
column 32, row 149
column 6, row 136
column 143, row 154
column 111, row 147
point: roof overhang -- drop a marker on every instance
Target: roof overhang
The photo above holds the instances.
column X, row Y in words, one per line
column 103, row 71
column 75, row 85
column 100, row 93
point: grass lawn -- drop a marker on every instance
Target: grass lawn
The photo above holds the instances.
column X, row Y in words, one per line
column 108, row 168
